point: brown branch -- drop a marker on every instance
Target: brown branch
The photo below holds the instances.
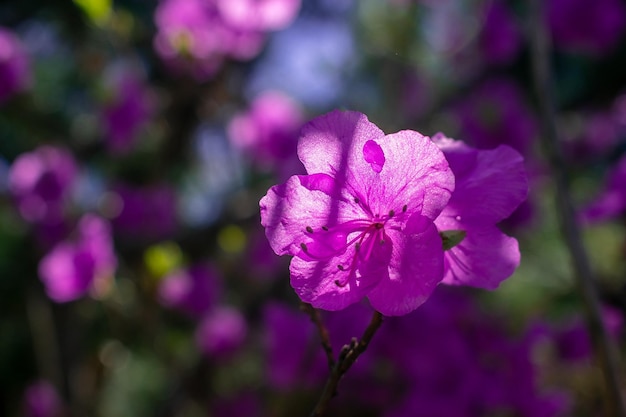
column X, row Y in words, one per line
column 323, row 331
column 348, row 355
column 569, row 227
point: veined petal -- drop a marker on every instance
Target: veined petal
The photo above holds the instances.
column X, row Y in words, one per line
column 490, row 184
column 415, row 269
column 316, row 282
column 415, row 174
column 290, row 210
column 330, row 142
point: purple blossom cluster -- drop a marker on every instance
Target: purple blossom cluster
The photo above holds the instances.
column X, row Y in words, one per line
column 388, row 217
column 197, row 36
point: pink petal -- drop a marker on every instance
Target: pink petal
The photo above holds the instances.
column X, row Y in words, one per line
column 287, row 211
column 317, row 282
column 490, row 184
column 416, row 175
column 484, row 259
column 415, row 269
column 329, row 143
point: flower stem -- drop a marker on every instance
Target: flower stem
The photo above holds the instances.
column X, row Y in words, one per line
column 323, row 331
column 570, row 229
column 347, row 357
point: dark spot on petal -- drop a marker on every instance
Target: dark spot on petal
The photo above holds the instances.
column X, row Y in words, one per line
column 356, row 200
column 357, row 246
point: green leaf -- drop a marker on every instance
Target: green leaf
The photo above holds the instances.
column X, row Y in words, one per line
column 451, row 238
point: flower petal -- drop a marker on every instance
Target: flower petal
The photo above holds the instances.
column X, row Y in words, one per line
column 329, row 142
column 484, row 258
column 316, row 282
column 490, row 184
column 289, row 210
column 415, row 269
column 415, row 174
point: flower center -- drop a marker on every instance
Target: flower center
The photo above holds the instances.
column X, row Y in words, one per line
column 328, row 242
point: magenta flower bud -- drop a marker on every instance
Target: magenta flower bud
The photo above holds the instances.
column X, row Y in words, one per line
column 15, row 73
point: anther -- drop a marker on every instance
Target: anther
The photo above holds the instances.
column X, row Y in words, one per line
column 340, row 267
column 303, row 246
column 357, row 246
column 309, row 229
column 391, row 213
column 324, row 228
column 378, row 226
column 356, row 200
column 404, row 208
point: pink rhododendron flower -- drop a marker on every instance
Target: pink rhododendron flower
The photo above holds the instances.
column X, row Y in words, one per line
column 268, row 132
column 490, row 185
column 72, row 268
column 15, row 73
column 361, row 223
column 195, row 36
